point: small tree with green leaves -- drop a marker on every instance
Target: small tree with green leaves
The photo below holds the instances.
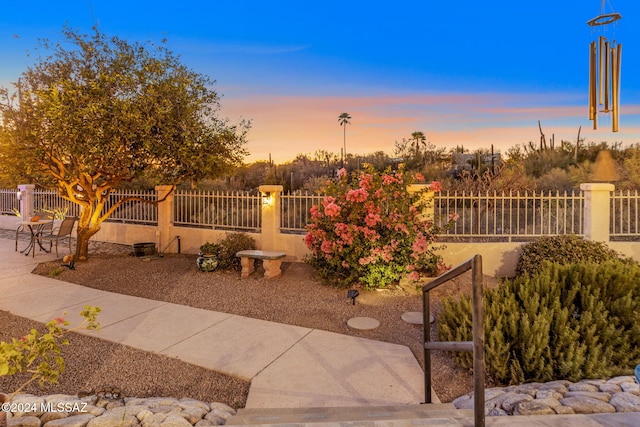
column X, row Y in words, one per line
column 98, row 112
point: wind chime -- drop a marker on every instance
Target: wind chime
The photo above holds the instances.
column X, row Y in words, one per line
column 604, row 72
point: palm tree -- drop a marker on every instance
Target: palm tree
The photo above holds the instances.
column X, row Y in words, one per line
column 343, row 119
column 419, row 138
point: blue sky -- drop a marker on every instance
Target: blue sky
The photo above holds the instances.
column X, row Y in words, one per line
column 465, row 73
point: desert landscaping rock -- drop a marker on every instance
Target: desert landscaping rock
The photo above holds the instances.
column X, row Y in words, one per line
column 625, row 402
column 558, row 397
column 132, row 412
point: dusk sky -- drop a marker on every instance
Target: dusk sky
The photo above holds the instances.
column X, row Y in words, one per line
column 465, row 73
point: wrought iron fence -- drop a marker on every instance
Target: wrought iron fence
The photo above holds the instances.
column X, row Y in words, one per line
column 240, row 211
column 131, row 212
column 134, row 211
column 625, row 215
column 9, row 203
column 295, row 211
column 508, row 216
column 512, row 216
column 50, row 202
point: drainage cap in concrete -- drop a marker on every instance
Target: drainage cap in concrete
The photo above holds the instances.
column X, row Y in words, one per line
column 363, row 323
column 415, row 317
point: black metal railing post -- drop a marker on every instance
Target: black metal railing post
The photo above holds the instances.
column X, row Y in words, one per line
column 476, row 346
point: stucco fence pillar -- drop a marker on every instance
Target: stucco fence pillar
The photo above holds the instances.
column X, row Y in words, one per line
column 426, row 199
column 25, row 194
column 597, row 211
column 270, row 217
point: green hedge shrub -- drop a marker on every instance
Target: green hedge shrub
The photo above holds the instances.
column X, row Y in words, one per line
column 568, row 322
column 229, row 246
column 563, row 249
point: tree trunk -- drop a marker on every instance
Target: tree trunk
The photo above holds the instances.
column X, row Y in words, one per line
column 82, row 242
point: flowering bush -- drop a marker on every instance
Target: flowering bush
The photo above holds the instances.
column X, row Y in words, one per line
column 39, row 353
column 369, row 229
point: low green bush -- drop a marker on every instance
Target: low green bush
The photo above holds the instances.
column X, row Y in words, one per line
column 563, row 249
column 568, row 322
column 229, row 246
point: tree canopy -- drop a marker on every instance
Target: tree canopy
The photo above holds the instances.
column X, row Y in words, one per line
column 99, row 111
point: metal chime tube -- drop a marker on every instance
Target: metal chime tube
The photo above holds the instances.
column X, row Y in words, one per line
column 616, row 57
column 602, row 59
column 593, row 99
column 604, row 55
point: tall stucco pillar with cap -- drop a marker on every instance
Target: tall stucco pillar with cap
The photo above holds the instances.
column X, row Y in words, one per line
column 597, row 211
column 270, row 215
column 26, row 200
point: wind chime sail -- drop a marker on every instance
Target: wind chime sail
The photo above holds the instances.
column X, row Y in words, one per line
column 605, row 57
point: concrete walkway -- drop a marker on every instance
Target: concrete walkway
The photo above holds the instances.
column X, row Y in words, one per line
column 289, row 366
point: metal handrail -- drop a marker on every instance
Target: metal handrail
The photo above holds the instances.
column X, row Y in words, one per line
column 476, row 346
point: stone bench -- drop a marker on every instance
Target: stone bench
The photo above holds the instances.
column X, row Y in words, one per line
column 271, row 262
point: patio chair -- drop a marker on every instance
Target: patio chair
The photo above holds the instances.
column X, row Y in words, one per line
column 59, row 233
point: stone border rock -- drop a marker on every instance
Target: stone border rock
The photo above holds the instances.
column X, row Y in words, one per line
column 619, row 394
column 61, row 410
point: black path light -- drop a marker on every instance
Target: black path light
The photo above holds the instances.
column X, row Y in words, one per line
column 353, row 294
column 605, row 57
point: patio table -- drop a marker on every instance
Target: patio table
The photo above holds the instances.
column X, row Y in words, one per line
column 34, row 227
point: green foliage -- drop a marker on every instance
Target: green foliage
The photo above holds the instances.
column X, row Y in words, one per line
column 38, row 353
column 370, row 230
column 227, row 248
column 55, row 271
column 210, row 248
column 56, row 213
column 568, row 322
column 95, row 112
column 563, row 249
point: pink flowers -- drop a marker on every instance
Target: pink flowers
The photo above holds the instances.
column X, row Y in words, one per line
column 358, row 196
column 435, row 186
column 327, row 247
column 388, row 180
column 315, row 213
column 420, row 244
column 414, row 275
column 365, row 181
column 372, row 219
column 332, row 210
column 366, row 231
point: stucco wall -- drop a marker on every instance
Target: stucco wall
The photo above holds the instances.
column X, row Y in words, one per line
column 498, row 259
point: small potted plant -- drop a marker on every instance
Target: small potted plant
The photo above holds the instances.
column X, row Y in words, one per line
column 208, row 257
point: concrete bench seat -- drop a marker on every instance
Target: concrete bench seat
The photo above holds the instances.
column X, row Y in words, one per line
column 270, row 260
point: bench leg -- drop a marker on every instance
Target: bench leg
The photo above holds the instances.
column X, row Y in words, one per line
column 248, row 267
column 272, row 268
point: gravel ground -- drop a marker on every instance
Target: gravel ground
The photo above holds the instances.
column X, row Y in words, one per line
column 295, row 298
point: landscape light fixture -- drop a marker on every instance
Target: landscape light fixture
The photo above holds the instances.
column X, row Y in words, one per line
column 605, row 57
column 353, row 294
column 266, row 198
